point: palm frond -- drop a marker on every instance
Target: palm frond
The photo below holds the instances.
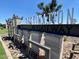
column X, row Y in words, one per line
column 53, row 4
column 58, row 8
column 41, row 5
column 38, row 13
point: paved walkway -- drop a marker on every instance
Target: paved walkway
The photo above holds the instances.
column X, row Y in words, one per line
column 6, row 49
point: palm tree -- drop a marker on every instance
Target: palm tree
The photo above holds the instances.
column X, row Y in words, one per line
column 41, row 7
column 50, row 9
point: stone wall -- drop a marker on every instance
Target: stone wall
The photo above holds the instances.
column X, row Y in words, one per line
column 52, row 41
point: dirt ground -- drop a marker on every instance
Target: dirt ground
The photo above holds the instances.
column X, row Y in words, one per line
column 68, row 44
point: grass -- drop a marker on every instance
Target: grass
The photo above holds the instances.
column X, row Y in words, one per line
column 2, row 52
column 3, row 31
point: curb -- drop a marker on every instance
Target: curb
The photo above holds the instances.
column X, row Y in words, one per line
column 8, row 54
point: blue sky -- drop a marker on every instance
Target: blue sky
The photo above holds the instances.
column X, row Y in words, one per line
column 27, row 8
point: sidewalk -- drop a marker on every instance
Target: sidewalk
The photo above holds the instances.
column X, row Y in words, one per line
column 9, row 56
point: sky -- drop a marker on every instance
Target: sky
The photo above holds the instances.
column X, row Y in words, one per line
column 28, row 8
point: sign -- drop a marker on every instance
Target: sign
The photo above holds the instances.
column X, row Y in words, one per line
column 59, row 29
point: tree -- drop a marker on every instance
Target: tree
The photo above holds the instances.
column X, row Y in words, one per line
column 0, row 24
column 50, row 9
